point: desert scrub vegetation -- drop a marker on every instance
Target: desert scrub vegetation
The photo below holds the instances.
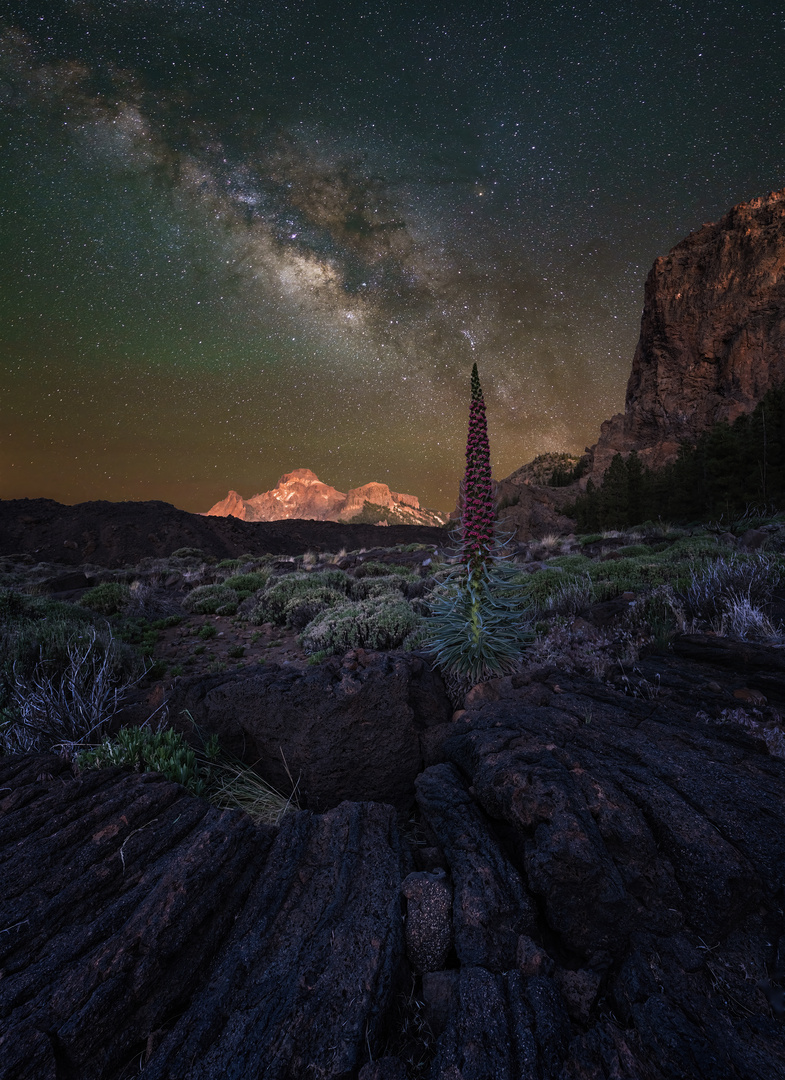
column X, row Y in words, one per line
column 379, row 622
column 559, row 585
column 212, row 600
column 108, row 598
column 729, row 595
column 248, row 584
column 380, row 585
column 328, row 587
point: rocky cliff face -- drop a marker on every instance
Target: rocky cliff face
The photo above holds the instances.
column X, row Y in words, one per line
column 712, row 337
column 301, row 494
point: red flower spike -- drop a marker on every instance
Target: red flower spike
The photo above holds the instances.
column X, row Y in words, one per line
column 478, row 506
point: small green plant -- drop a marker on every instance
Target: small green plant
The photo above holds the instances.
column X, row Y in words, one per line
column 207, row 631
column 176, row 669
column 199, row 649
column 108, row 598
column 164, row 752
column 207, row 770
column 236, row 652
column 319, row 657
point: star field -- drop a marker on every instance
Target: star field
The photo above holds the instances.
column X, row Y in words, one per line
column 240, row 238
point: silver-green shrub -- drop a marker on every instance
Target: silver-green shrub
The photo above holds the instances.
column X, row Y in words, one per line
column 108, row 598
column 379, row 622
column 304, row 609
column 211, row 600
column 378, row 586
column 246, row 585
column 274, row 601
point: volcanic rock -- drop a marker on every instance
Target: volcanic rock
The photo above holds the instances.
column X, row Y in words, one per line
column 345, row 729
column 530, row 511
column 141, row 925
column 428, row 923
column 301, row 494
column 712, row 339
column 617, row 862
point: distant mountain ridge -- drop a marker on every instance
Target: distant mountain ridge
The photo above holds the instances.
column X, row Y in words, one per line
column 301, row 494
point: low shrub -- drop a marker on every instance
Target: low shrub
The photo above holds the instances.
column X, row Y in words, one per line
column 191, row 553
column 60, row 701
column 208, row 771
column 38, row 637
column 656, row 616
column 304, row 609
column 273, row 602
column 108, row 598
column 380, row 622
column 379, row 586
column 246, row 585
column 209, row 630
column 743, row 620
column 378, row 569
column 211, row 600
column 572, row 596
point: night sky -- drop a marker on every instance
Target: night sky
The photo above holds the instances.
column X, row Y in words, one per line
column 239, row 238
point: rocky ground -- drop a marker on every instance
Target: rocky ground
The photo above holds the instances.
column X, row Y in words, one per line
column 568, row 875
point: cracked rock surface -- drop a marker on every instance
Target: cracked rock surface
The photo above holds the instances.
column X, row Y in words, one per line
column 607, row 877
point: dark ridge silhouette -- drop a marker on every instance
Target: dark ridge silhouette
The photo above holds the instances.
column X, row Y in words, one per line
column 117, row 534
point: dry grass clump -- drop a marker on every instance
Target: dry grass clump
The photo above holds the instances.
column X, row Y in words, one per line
column 234, row 786
column 66, row 708
column 728, row 595
column 571, row 648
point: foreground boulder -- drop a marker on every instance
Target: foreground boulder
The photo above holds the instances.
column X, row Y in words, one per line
column 351, row 728
column 639, row 857
column 142, row 925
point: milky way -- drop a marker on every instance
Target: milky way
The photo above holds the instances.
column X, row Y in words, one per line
column 239, row 239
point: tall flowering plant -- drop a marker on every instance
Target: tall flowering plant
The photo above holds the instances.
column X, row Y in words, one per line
column 479, row 511
column 477, row 627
